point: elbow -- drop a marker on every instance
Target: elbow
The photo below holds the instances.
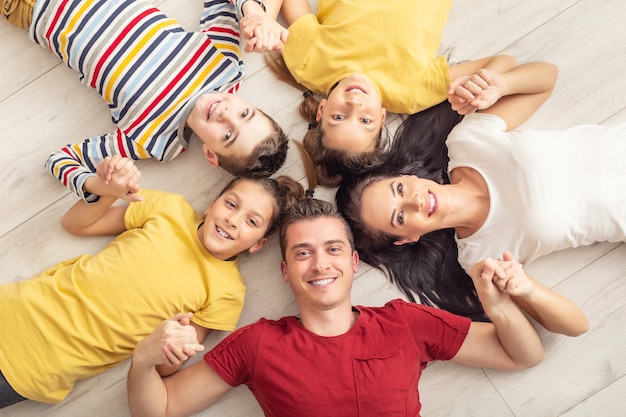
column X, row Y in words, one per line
column 70, row 227
column 578, row 330
column 533, row 359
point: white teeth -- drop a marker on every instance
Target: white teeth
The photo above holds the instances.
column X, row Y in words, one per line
column 356, row 90
column 213, row 107
column 322, row 282
column 222, row 233
column 431, row 203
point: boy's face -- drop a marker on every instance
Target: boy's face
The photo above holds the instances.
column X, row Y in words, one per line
column 237, row 221
column 352, row 116
column 228, row 126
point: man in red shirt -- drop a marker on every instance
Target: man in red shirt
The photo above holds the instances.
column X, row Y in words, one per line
column 334, row 358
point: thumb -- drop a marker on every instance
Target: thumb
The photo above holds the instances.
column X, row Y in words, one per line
column 507, row 256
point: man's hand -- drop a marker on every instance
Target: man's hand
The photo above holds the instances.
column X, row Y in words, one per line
column 171, row 344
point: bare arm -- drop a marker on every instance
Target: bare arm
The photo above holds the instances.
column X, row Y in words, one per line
column 512, row 95
column 553, row 311
column 178, row 358
column 510, row 341
column 181, row 394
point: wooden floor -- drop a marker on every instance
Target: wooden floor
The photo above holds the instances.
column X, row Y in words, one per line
column 43, row 106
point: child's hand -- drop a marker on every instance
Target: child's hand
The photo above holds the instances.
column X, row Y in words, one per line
column 120, row 176
column 172, row 343
column 263, row 34
column 478, row 91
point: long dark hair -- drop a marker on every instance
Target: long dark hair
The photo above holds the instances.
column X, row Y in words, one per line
column 428, row 270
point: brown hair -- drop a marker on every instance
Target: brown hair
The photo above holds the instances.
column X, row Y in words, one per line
column 264, row 160
column 310, row 209
column 285, row 192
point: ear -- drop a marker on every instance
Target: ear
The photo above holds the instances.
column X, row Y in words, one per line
column 406, row 240
column 383, row 117
column 283, row 270
column 210, row 156
column 320, row 109
column 355, row 261
column 258, row 246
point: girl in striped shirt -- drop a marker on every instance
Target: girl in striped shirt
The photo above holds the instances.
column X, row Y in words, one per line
column 160, row 81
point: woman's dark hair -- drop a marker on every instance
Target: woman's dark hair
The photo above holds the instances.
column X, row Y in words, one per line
column 427, row 270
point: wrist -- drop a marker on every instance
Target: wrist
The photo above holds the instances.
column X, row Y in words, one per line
column 252, row 7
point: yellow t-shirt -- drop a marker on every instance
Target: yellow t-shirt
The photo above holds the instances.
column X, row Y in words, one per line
column 394, row 43
column 85, row 315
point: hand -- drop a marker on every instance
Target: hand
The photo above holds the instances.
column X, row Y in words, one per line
column 263, row 34
column 478, row 91
column 120, row 176
column 496, row 280
column 172, row 343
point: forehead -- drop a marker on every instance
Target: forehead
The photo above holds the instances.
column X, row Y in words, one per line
column 251, row 195
column 376, row 203
column 315, row 232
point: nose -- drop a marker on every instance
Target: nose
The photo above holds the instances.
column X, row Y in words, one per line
column 354, row 100
column 320, row 263
column 225, row 115
column 233, row 219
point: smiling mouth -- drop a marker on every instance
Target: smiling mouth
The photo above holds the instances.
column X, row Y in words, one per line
column 212, row 108
column 356, row 89
column 322, row 282
column 432, row 204
column 222, row 233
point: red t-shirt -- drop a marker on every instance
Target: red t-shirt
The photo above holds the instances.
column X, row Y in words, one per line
column 371, row 370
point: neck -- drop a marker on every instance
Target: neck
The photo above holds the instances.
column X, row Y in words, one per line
column 471, row 198
column 331, row 322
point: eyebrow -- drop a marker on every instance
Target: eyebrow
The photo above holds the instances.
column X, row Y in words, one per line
column 304, row 245
column 253, row 213
column 234, row 139
column 393, row 213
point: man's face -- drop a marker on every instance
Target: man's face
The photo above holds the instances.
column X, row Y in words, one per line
column 319, row 263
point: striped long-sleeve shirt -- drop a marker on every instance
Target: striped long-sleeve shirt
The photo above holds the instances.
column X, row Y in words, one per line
column 148, row 69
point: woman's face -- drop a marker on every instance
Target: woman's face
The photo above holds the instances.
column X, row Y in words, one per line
column 352, row 116
column 405, row 206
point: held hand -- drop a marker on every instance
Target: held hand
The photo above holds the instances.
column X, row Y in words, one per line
column 120, row 177
column 263, row 34
column 515, row 281
column 478, row 91
column 172, row 343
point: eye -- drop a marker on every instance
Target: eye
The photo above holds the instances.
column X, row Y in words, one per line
column 228, row 135
column 301, row 254
column 400, row 189
column 252, row 221
column 400, row 218
column 245, row 113
column 334, row 250
column 230, row 204
column 366, row 121
column 337, row 117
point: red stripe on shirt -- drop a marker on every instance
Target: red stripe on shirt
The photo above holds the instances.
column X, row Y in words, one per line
column 170, row 86
column 55, row 20
column 117, row 42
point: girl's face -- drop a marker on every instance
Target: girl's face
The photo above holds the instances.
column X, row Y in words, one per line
column 227, row 126
column 352, row 116
column 405, row 206
column 237, row 221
